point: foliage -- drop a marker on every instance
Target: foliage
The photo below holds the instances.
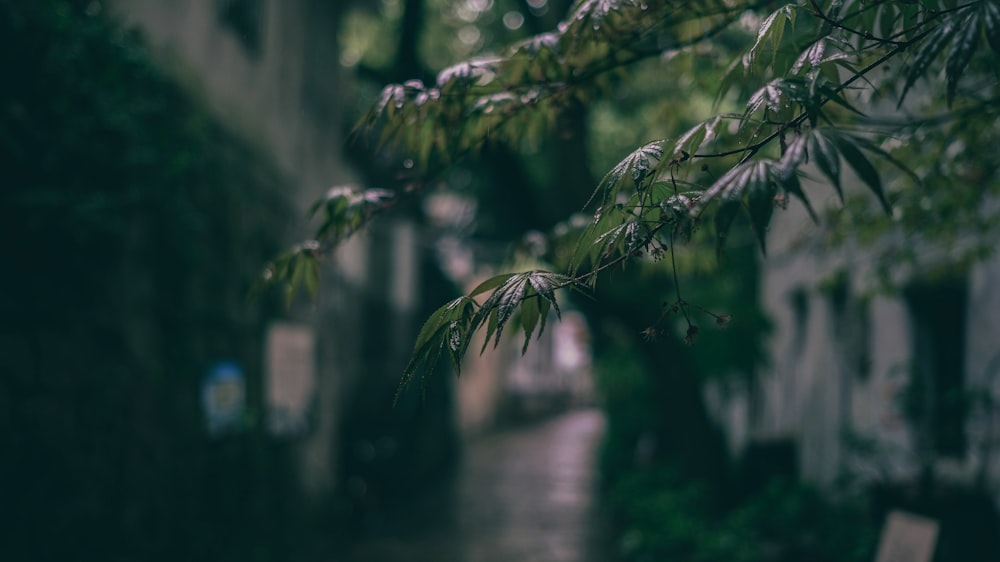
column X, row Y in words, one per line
column 665, row 517
column 890, row 105
column 664, row 512
column 804, row 87
column 529, row 295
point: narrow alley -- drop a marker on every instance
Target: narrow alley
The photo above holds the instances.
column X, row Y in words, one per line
column 526, row 494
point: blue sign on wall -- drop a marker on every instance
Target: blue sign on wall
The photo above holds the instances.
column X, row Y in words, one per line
column 223, row 398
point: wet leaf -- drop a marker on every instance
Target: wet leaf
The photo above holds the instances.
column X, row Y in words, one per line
column 991, row 24
column 724, row 217
column 689, row 143
column 345, row 209
column 443, row 316
column 760, row 207
column 728, row 187
column 513, row 294
column 824, row 154
column 491, row 283
column 467, row 73
column 888, row 16
column 530, row 313
column 795, row 154
column 448, row 328
column 789, row 182
column 638, row 166
column 929, row 50
column 813, row 56
column 829, row 92
column 771, row 31
column 862, row 167
column 962, row 48
column 499, row 307
column 769, row 96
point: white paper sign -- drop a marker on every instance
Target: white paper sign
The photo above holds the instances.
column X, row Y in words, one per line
column 907, row 538
column 291, row 377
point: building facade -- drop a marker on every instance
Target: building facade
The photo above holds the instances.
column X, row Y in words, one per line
column 869, row 384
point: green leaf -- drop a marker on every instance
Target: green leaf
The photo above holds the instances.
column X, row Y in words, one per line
column 492, row 325
column 991, row 24
column 600, row 237
column 964, row 45
column 829, row 92
column 611, row 242
column 760, row 206
column 789, row 182
column 730, row 186
column 813, row 56
column 582, row 250
column 771, row 30
column 862, row 167
column 872, row 147
column 932, row 46
column 768, row 96
column 344, row 210
column 296, row 266
column 311, row 275
column 457, row 343
column 509, row 301
column 491, row 283
column 777, row 30
column 827, row 160
column 911, row 19
column 795, row 153
column 888, row 16
column 689, row 143
column 731, row 77
column 753, row 180
column 636, row 165
column 545, row 285
column 636, row 236
column 724, row 217
column 455, row 309
column 530, row 311
column 448, row 328
column 499, row 307
column 292, row 270
column 521, row 292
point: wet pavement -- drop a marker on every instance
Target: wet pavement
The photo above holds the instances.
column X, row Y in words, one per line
column 526, row 494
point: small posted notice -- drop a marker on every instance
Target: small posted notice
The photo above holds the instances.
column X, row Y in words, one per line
column 291, row 378
column 223, row 398
column 907, row 537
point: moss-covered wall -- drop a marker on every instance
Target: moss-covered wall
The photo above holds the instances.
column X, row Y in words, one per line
column 131, row 226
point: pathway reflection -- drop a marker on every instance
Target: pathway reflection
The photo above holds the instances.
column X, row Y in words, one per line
column 523, row 495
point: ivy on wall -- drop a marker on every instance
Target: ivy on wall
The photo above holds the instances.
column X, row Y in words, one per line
column 131, row 225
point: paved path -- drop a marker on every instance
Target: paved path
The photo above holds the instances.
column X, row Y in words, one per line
column 523, row 495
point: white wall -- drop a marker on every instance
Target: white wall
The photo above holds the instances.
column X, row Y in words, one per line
column 812, row 391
